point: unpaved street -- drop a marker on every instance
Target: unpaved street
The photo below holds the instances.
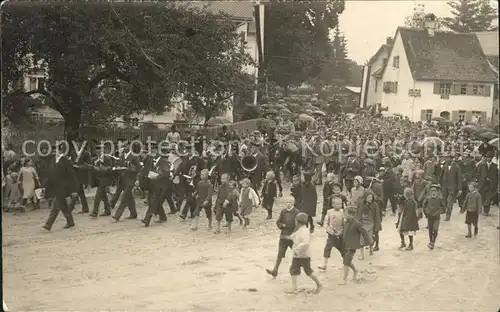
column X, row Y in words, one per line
column 100, row 266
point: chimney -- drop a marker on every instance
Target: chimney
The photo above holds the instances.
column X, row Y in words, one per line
column 430, row 24
column 388, row 41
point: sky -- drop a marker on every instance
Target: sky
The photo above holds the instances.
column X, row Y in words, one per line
column 367, row 24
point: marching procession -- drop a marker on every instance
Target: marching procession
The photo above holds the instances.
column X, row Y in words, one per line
column 362, row 162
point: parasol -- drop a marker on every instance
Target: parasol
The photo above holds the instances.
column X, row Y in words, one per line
column 493, row 141
column 216, row 121
column 270, row 112
column 446, row 122
column 308, row 111
column 267, row 124
column 469, row 128
column 267, row 106
column 305, row 117
column 488, row 135
column 318, row 112
column 438, row 118
column 278, row 106
column 285, row 111
column 432, row 139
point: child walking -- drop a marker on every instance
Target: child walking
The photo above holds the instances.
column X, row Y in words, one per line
column 296, row 191
column 235, row 198
column 368, row 213
column 204, row 191
column 351, row 238
column 14, row 192
column 248, row 200
column 286, row 223
column 301, row 239
column 269, row 193
column 334, row 220
column 223, row 205
column 327, row 193
column 472, row 204
column 309, row 199
column 29, row 180
column 407, row 223
column 434, row 205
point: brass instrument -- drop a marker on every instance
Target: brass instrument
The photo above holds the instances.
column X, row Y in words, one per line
column 191, row 175
column 249, row 163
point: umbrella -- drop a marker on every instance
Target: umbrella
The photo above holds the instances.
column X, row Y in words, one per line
column 267, row 123
column 320, row 113
column 469, row 129
column 216, row 121
column 482, row 130
column 438, row 118
column 432, row 139
column 308, row 111
column 428, row 132
column 446, row 122
column 488, row 135
column 305, row 117
column 285, row 111
column 493, row 141
column 278, row 106
column 270, row 112
column 267, row 106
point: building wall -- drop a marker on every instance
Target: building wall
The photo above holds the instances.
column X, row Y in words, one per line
column 374, row 94
column 398, row 102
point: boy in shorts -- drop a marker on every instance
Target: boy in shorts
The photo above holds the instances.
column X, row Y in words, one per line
column 223, row 203
column 301, row 239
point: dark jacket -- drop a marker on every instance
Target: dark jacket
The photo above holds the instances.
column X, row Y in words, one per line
column 408, row 220
column 434, row 206
column 103, row 171
column 296, row 191
column 488, row 177
column 286, row 221
column 309, row 199
column 351, row 234
column 269, row 189
column 451, row 178
column 62, row 181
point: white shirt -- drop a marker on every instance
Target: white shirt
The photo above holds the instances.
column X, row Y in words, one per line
column 253, row 196
column 173, row 137
column 301, row 242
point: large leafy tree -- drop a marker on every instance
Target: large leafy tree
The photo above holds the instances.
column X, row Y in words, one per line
column 471, row 16
column 297, row 43
column 117, row 59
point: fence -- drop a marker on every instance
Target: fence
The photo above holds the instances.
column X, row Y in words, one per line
column 17, row 138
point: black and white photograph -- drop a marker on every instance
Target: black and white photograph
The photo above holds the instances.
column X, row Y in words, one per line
column 266, row 155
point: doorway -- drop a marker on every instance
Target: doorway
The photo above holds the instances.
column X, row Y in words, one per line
column 445, row 115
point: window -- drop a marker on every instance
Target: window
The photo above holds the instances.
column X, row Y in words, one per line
column 390, row 87
column 461, row 115
column 395, row 62
column 32, row 84
column 463, row 89
column 41, row 83
column 475, row 89
column 426, row 115
column 444, row 88
column 134, row 122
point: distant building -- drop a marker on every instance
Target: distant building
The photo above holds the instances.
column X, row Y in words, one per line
column 489, row 44
column 429, row 73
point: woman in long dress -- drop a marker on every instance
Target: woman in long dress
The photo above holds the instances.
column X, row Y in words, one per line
column 29, row 181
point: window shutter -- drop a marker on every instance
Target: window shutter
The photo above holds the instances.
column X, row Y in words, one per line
column 487, row 91
column 469, row 89
column 395, row 87
column 436, row 87
column 468, row 116
column 454, row 116
column 423, row 115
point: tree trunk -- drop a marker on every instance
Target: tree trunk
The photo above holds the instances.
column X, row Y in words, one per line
column 72, row 123
column 209, row 111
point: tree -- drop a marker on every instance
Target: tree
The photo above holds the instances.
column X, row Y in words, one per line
column 141, row 54
column 297, row 39
column 471, row 16
column 418, row 18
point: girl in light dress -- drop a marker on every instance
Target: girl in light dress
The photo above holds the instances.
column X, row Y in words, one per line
column 29, row 180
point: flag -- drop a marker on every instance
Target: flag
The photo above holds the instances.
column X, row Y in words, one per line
column 259, row 27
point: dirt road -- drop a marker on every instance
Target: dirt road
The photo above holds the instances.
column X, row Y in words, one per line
column 100, row 266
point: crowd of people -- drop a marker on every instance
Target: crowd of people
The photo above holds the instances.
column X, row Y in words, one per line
column 419, row 169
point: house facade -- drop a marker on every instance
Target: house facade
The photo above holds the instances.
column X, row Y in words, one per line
column 242, row 14
column 489, row 44
column 376, row 66
column 437, row 74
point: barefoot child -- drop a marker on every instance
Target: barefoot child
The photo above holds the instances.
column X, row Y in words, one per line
column 204, row 191
column 235, row 198
column 286, row 223
column 269, row 193
column 472, row 204
column 248, row 200
column 223, row 205
column 334, row 219
column 351, row 238
column 407, row 223
column 434, row 205
column 301, row 239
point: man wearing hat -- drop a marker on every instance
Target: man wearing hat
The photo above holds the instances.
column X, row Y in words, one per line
column 158, row 188
column 468, row 174
column 62, row 185
column 351, row 168
column 388, row 186
column 259, row 173
column 103, row 171
column 192, row 168
column 82, row 163
column 488, row 181
column 451, row 182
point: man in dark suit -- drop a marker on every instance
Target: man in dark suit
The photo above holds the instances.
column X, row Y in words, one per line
column 158, row 187
column 259, row 173
column 103, row 172
column 488, row 181
column 129, row 176
column 191, row 166
column 451, row 181
column 62, row 185
column 351, row 169
column 82, row 163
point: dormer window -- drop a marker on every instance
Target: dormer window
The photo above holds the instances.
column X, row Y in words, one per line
column 395, row 62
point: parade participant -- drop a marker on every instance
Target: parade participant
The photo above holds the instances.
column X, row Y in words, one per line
column 190, row 170
column 103, row 171
column 351, row 168
column 144, row 181
column 301, row 241
column 223, row 204
column 13, row 192
column 327, row 193
column 368, row 213
column 369, row 168
column 408, row 166
column 334, row 220
column 235, row 196
column 318, row 160
column 286, row 223
column 129, row 176
column 159, row 177
column 204, row 191
column 418, row 187
column 173, row 136
column 296, row 191
column 269, row 193
column 389, row 185
column 248, row 200
column 430, row 166
column 488, row 181
column 473, row 204
column 407, row 223
column 123, row 153
column 357, row 191
column 351, row 240
column 451, row 183
column 434, row 205
column 309, row 199
column 468, row 174
column 29, row 180
column 259, row 173
column 62, row 185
